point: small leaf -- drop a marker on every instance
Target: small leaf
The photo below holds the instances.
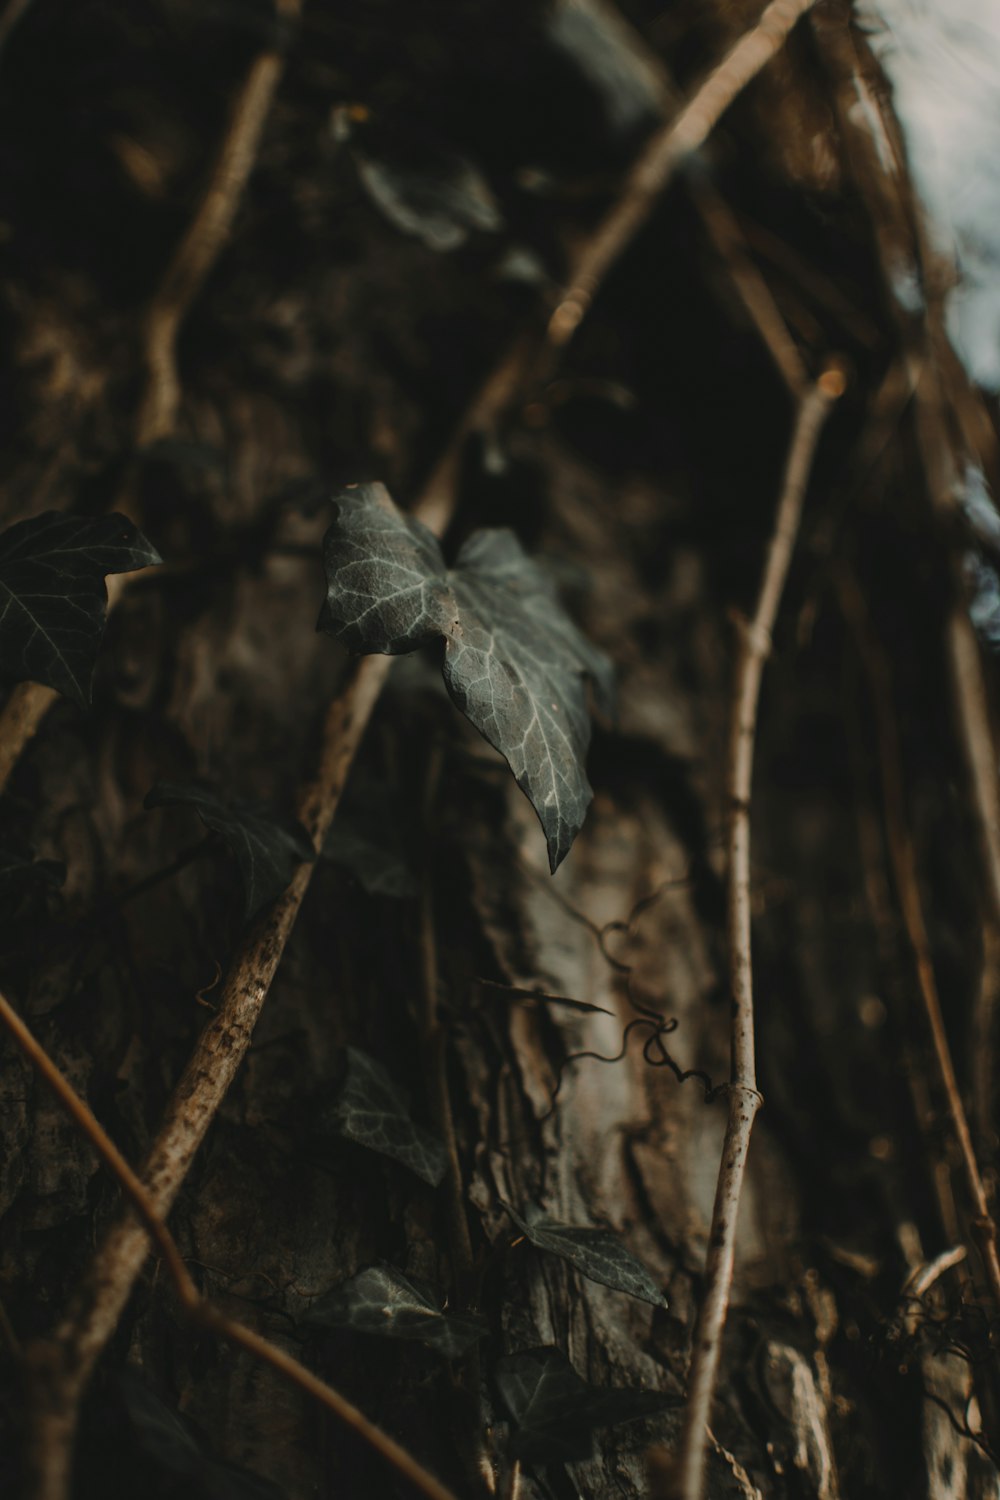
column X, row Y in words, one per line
column 268, row 846
column 597, row 1254
column 420, row 183
column 555, row 1412
column 16, row 873
column 53, row 601
column 374, row 1112
column 382, row 1301
column 514, row 662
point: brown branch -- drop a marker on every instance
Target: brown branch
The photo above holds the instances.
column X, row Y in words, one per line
column 221, row 1047
column 206, row 234
column 904, row 866
column 744, row 1098
column 195, row 256
column 662, row 156
column 194, row 1304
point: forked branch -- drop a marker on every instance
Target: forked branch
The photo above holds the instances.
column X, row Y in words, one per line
column 221, row 1047
column 744, row 1097
column 194, row 1304
column 194, row 258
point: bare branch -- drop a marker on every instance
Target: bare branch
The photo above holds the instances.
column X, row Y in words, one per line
column 904, row 867
column 744, row 1098
column 190, row 1298
column 198, row 251
column 663, row 155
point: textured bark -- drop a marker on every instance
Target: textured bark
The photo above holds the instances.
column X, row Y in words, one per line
column 327, row 346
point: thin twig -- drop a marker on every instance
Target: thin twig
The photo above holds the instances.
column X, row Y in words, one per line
column 194, row 1304
column 195, row 256
column 663, row 154
column 206, row 235
column 744, row 1096
column 920, row 1281
column 72, row 1350
column 223, row 1043
column 721, row 225
column 904, row 866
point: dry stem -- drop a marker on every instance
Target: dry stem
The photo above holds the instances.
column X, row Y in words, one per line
column 198, row 251
column 904, row 867
column 663, row 154
column 221, row 1047
column 744, row 1097
column 194, row 1304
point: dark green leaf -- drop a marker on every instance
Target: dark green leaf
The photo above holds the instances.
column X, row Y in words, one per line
column 597, row 1253
column 267, row 845
column 374, row 1112
column 514, row 662
column 16, row 873
column 555, row 1412
column 53, row 601
column 382, row 1301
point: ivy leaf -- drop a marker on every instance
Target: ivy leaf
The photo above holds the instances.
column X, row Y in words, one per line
column 514, row 662
column 53, row 601
column 597, row 1254
column 555, row 1411
column 267, row 845
column 374, row 1112
column 17, row 873
column 382, row 1301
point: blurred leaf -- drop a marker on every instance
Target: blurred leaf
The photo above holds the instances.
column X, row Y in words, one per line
column 164, row 1438
column 373, row 1111
column 382, row 1301
column 596, row 1253
column 420, row 183
column 514, row 662
column 598, row 41
column 555, row 1412
column 53, row 600
column 17, row 872
column 267, row 845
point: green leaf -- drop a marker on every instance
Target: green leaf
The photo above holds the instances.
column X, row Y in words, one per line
column 555, row 1412
column 267, row 845
column 53, row 601
column 374, row 1112
column 596, row 1253
column 383, row 1301
column 514, row 662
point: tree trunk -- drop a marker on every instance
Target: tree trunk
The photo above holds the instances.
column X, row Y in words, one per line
column 331, row 342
